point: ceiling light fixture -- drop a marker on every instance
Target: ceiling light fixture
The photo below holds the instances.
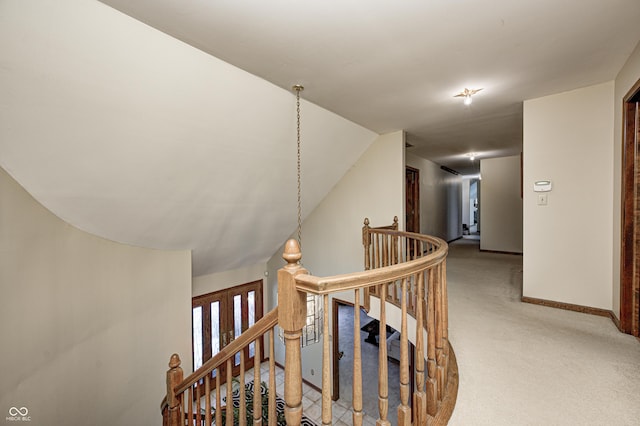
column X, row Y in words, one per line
column 472, row 155
column 466, row 94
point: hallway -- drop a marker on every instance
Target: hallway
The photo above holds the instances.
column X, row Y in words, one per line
column 523, row 364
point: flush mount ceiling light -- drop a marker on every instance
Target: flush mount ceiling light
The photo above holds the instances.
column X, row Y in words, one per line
column 472, row 155
column 466, row 94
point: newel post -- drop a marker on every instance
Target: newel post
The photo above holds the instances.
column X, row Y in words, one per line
column 292, row 313
column 174, row 378
column 366, row 242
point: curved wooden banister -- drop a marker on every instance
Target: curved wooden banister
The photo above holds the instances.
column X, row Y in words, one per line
column 405, row 269
column 351, row 281
column 402, row 268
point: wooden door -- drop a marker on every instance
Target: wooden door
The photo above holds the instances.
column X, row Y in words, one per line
column 412, row 186
column 630, row 237
column 220, row 317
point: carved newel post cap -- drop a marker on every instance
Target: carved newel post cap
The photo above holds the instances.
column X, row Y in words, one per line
column 366, row 221
column 395, row 219
column 174, row 361
column 291, row 253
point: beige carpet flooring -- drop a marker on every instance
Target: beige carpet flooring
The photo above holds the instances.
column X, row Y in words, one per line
column 522, row 364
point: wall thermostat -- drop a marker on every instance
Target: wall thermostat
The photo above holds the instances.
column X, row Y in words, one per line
column 542, row 186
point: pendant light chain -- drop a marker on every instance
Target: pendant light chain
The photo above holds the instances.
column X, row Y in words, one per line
column 298, row 89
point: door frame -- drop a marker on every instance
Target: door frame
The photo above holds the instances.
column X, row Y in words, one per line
column 225, row 297
column 412, row 191
column 630, row 211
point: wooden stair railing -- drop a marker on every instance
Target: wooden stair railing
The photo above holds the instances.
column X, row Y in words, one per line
column 407, row 270
column 183, row 402
column 404, row 269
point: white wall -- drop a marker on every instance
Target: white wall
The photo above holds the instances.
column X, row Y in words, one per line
column 501, row 205
column 332, row 233
column 179, row 149
column 87, row 325
column 466, row 202
column 440, row 199
column 209, row 283
column 567, row 243
column 627, row 77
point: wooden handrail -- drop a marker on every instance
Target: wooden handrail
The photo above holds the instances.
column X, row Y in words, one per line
column 263, row 325
column 403, row 268
column 351, row 281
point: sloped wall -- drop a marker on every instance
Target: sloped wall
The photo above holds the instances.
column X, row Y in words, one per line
column 87, row 325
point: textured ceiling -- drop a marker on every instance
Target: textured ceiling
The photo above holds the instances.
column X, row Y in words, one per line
column 396, row 65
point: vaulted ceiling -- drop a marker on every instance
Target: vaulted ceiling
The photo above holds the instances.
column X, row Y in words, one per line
column 132, row 135
column 396, row 65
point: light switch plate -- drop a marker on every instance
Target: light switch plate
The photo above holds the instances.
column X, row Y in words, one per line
column 542, row 199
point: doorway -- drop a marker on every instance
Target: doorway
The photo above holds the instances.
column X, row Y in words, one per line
column 220, row 317
column 412, row 191
column 630, row 237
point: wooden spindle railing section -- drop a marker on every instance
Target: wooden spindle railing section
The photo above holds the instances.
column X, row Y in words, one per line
column 409, row 271
column 385, row 246
column 187, row 398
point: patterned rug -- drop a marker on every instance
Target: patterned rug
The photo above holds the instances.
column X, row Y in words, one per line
column 265, row 395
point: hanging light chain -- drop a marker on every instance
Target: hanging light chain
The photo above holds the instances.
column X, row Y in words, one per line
column 298, row 89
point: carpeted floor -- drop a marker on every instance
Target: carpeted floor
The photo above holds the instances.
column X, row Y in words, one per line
column 522, row 364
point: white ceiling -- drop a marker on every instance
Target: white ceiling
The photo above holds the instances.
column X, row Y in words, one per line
column 391, row 65
column 129, row 134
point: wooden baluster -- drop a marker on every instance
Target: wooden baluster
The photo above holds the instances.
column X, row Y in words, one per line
column 445, row 324
column 383, row 376
column 396, row 248
column 229, row 421
column 419, row 396
column 358, row 414
column 257, row 385
column 207, row 401
column 218, row 398
column 243, row 395
column 272, row 379
column 292, row 313
column 326, row 366
column 404, row 412
column 174, row 377
column 432, row 385
column 182, row 407
column 387, row 250
column 439, row 347
column 366, row 242
column 198, row 406
column 190, row 402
